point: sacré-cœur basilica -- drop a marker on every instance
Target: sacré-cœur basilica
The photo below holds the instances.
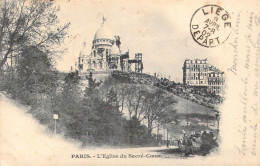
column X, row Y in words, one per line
column 106, row 55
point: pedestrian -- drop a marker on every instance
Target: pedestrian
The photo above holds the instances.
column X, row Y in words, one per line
column 205, row 143
column 180, row 142
column 171, row 142
column 192, row 140
column 188, row 146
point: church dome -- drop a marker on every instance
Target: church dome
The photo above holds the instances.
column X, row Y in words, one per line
column 103, row 33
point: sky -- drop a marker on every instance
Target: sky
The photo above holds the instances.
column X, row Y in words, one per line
column 158, row 29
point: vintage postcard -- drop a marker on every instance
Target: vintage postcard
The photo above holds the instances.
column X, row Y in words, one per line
column 127, row 82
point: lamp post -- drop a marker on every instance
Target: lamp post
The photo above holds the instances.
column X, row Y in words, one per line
column 167, row 143
column 55, row 117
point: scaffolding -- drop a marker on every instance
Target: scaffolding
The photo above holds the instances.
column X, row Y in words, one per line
column 138, row 61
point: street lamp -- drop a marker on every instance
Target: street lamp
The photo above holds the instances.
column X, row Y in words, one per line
column 167, row 143
column 55, row 117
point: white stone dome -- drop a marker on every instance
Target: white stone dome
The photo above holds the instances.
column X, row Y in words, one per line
column 103, row 33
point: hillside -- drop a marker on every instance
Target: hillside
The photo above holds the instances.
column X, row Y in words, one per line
column 199, row 96
column 185, row 106
column 189, row 102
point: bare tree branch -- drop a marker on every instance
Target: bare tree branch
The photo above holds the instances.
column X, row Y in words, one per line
column 26, row 23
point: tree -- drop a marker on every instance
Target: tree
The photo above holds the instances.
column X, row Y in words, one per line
column 120, row 89
column 112, row 98
column 25, row 23
column 100, row 119
column 69, row 106
column 135, row 133
column 122, row 95
column 35, row 76
column 158, row 104
column 35, row 71
column 135, row 95
column 91, row 90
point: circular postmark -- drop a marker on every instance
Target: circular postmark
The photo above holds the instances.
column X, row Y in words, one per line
column 210, row 26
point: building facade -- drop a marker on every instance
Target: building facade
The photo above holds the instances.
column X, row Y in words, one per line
column 105, row 55
column 199, row 73
column 195, row 72
column 216, row 81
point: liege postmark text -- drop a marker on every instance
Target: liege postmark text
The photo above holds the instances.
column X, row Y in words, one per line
column 210, row 26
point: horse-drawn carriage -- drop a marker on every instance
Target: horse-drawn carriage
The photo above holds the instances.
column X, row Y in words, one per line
column 197, row 143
